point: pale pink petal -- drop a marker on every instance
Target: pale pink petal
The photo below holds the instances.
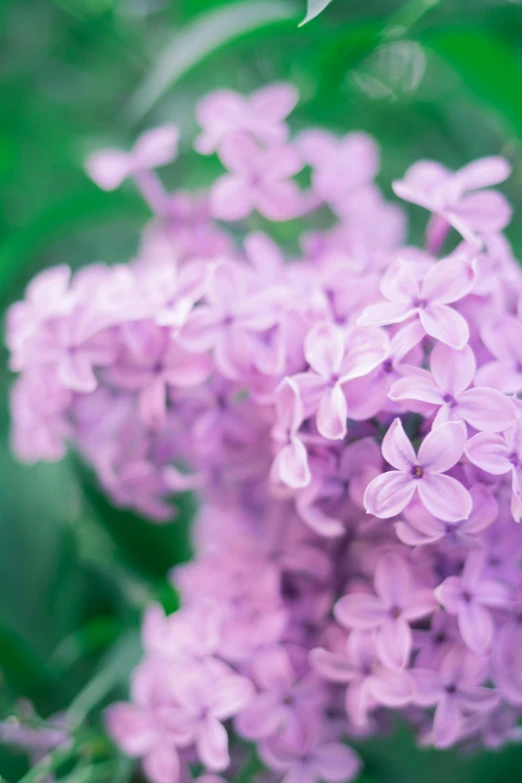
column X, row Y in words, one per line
column 489, row 452
column 492, row 594
column 445, row 324
column 427, row 686
column 476, row 626
column 317, row 147
column 390, row 687
column 448, row 281
column 404, row 340
column 131, row 727
column 421, row 603
column 161, row 764
column 156, row 147
column 449, row 594
column 332, row 413
column 212, row 745
column 445, row 497
column 386, row 313
column 397, row 449
column 392, row 579
column 289, row 408
column 360, row 610
column 231, row 198
column 487, row 212
column 484, row 173
column 366, row 348
column 281, row 162
column 420, row 386
column 261, row 718
column 239, row 153
column 447, row 723
column 75, row 372
column 399, row 284
column 452, row 370
column 108, row 168
column 336, row 763
column 332, row 666
column 279, row 200
column 478, row 699
column 442, row 447
column 324, row 349
column 152, row 403
column 199, row 332
column 487, row 410
column 275, row 101
column 394, row 642
column 388, row 494
column 410, row 536
column 291, row 465
column 229, row 696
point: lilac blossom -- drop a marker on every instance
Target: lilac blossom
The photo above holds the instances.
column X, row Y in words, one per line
column 423, row 473
column 345, row 407
column 457, row 198
column 398, row 601
column 471, row 597
column 428, row 299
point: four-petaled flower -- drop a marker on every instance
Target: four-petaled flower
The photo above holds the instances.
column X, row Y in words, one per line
column 398, row 602
column 412, row 291
column 442, row 495
column 470, row 597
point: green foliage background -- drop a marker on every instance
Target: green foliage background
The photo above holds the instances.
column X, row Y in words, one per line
column 438, row 79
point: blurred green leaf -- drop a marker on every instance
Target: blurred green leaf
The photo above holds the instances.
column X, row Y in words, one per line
column 194, row 42
column 491, row 70
column 314, row 8
column 150, row 549
column 114, row 670
column 78, row 210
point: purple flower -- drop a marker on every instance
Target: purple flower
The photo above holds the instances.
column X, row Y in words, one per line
column 340, row 166
column 446, row 387
column 426, row 297
column 370, row 682
column 442, row 495
column 398, row 603
column 457, row 197
column 420, row 527
column 470, row 597
column 222, row 113
column 500, row 454
column 259, row 179
column 336, row 357
column 290, row 465
column 155, row 148
column 305, row 759
column 455, row 690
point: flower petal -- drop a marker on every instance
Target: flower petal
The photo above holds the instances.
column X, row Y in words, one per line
column 445, row 324
column 442, row 447
column 489, row 452
column 487, row 410
column 388, row 494
column 360, row 610
column 445, row 497
column 452, row 370
column 397, row 448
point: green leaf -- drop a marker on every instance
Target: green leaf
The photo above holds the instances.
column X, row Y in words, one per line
column 315, row 7
column 114, row 670
column 149, row 550
column 194, row 42
column 491, row 70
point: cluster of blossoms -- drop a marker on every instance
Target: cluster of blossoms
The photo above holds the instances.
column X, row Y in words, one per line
column 348, row 415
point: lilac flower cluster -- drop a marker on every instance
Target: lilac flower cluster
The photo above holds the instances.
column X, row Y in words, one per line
column 349, row 418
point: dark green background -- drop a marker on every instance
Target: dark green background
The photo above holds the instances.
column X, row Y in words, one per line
column 443, row 82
